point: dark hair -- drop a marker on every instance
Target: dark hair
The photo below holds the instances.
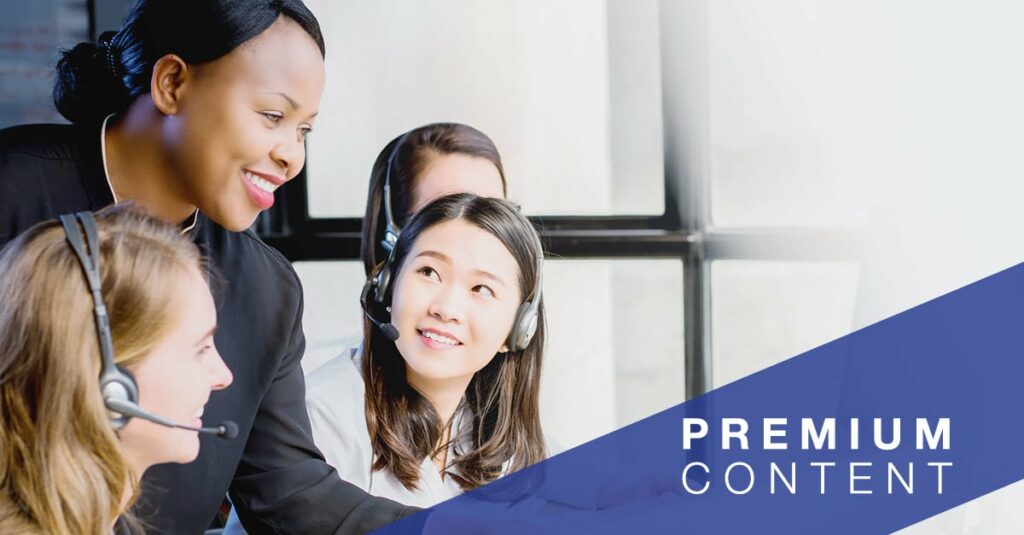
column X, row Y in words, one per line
column 502, row 399
column 96, row 79
column 412, row 151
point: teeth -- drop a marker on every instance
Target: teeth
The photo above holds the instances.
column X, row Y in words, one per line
column 261, row 183
column 438, row 338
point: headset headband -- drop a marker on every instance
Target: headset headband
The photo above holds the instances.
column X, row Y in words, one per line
column 87, row 248
column 391, row 228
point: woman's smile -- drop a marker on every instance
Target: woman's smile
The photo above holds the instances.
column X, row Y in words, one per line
column 261, row 187
column 436, row 339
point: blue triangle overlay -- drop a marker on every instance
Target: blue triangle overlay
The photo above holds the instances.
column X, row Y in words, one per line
column 958, row 357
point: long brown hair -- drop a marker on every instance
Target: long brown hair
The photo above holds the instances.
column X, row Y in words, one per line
column 502, row 399
column 62, row 468
column 412, row 153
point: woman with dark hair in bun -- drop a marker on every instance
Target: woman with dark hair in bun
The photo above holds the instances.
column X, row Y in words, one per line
column 197, row 110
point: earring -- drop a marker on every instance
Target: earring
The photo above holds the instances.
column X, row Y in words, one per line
column 503, row 348
column 388, row 308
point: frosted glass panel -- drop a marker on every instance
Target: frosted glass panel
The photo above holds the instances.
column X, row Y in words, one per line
column 788, row 112
column 569, row 91
column 763, row 312
column 332, row 318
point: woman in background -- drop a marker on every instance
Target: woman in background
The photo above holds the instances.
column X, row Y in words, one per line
column 419, row 166
column 67, row 465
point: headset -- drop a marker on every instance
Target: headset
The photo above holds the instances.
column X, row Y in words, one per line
column 117, row 384
column 523, row 329
column 391, row 229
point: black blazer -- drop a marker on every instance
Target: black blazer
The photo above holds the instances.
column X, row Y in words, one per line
column 274, row 473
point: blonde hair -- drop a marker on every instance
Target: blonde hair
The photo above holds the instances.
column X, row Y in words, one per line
column 62, row 468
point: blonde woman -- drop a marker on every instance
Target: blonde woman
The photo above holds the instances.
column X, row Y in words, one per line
column 69, row 465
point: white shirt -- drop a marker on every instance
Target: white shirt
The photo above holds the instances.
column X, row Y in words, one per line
column 335, row 400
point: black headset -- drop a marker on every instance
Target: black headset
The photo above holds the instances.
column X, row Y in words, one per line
column 391, row 228
column 117, row 384
column 523, row 329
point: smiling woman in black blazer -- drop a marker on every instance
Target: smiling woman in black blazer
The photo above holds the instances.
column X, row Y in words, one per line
column 197, row 111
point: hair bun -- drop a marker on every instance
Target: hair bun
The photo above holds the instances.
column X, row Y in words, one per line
column 86, row 88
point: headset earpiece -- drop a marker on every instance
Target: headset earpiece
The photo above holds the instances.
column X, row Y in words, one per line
column 378, row 282
column 528, row 315
column 381, row 283
column 525, row 327
column 119, row 384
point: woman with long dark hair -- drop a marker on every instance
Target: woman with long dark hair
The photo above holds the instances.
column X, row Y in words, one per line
column 197, row 110
column 412, row 170
column 443, row 395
